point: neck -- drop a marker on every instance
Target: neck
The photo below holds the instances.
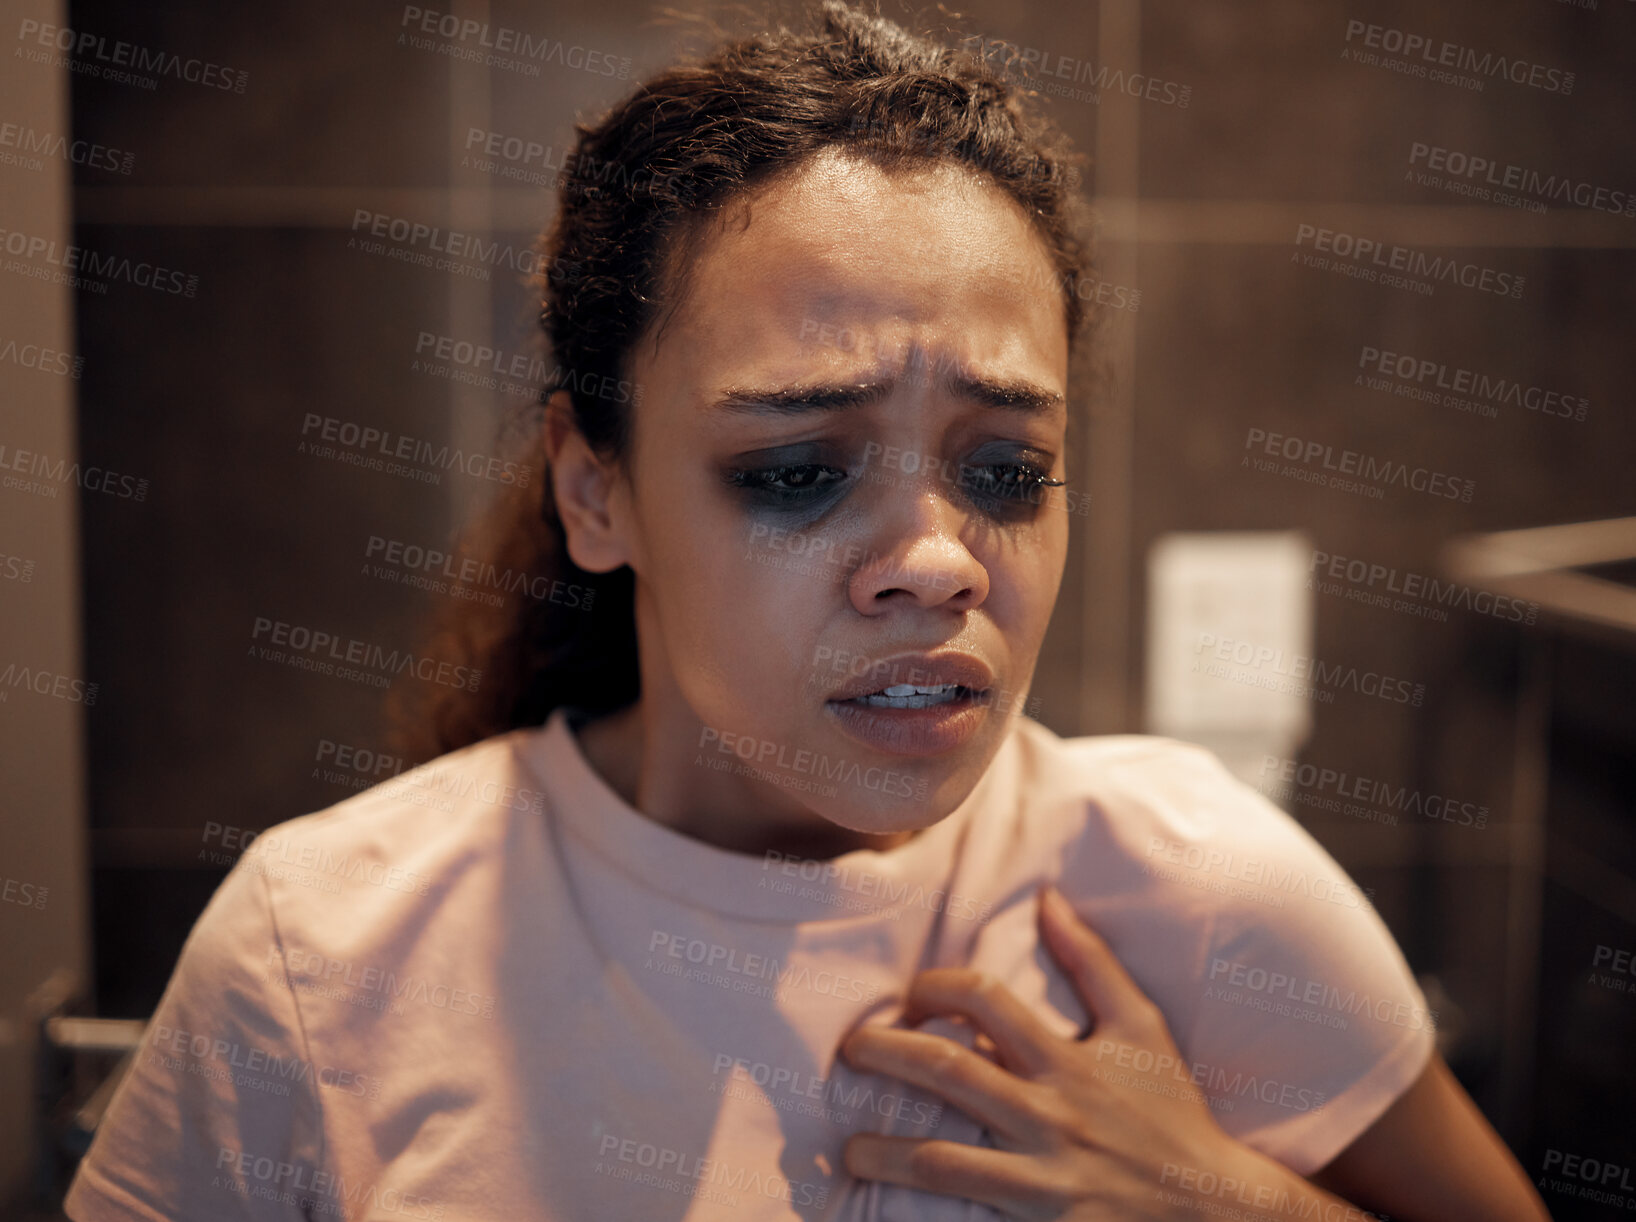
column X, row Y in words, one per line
column 654, row 775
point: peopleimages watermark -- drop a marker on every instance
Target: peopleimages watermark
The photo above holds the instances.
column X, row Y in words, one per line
column 1482, row 178
column 883, row 459
column 96, row 270
column 392, row 451
column 439, row 783
column 260, row 1069
column 1274, row 665
column 1396, row 266
column 362, row 761
column 313, row 968
column 1373, row 475
column 1406, row 376
column 1285, row 995
column 27, row 140
column 501, row 46
column 911, row 364
column 430, row 784
column 707, row 1179
column 234, row 840
column 280, row 856
column 807, row 554
column 359, row 768
column 1220, row 1088
column 46, row 476
column 727, row 967
column 1381, row 801
column 1217, row 1189
column 1220, row 886
column 42, row 682
column 1620, row 973
column 808, row 1094
column 1589, row 1179
column 16, row 568
column 42, row 358
column 1446, row 62
column 322, row 869
column 298, row 1186
column 1277, row 877
column 440, row 572
column 113, row 58
column 802, row 768
column 1410, row 593
column 466, row 254
column 488, row 368
column 527, row 161
column 1025, row 280
column 514, row 158
column 317, row 650
column 1048, row 71
column 944, row 146
column 848, row 887
column 23, row 894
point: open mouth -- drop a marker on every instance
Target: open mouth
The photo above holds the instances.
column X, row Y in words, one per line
column 915, row 696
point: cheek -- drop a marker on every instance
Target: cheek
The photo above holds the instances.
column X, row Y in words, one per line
column 1024, row 579
column 746, row 604
column 784, row 599
column 1055, row 564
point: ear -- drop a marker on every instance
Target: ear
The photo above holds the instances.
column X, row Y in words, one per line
column 590, row 494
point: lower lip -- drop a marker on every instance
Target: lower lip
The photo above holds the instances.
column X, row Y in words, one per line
column 911, row 732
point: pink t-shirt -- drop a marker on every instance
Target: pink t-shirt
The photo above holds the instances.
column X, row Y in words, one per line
column 489, row 988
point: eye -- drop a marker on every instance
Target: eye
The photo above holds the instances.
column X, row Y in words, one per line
column 787, row 485
column 1007, row 484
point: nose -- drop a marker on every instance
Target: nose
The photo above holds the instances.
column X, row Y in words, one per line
column 916, row 553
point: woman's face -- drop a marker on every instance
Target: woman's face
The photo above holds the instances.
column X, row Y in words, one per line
column 824, row 472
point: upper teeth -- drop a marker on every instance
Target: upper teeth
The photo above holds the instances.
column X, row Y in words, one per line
column 913, row 689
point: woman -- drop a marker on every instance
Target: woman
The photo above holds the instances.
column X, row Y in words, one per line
column 756, row 924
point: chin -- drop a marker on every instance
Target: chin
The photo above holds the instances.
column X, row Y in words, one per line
column 889, row 816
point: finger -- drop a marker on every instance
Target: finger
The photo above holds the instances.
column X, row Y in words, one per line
column 1025, row 1044
column 1103, row 984
column 972, row 1083
column 991, row 1177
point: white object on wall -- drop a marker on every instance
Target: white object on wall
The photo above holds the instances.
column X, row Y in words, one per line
column 1229, row 617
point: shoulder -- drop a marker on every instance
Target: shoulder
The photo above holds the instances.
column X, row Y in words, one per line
column 1144, row 810
column 1140, row 769
column 437, row 834
column 1280, row 981
column 1162, row 833
column 401, row 834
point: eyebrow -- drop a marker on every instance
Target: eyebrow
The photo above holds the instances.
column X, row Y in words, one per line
column 1012, row 394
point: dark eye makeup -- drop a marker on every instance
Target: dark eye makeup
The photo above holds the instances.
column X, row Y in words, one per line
column 1005, row 489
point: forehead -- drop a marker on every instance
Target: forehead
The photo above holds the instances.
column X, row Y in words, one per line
column 933, row 253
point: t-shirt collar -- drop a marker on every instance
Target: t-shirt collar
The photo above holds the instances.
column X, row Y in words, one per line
column 771, row 887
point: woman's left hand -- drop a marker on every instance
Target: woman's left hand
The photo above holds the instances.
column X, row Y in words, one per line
column 1080, row 1131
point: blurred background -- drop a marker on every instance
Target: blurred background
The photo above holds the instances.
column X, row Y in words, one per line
column 1357, row 438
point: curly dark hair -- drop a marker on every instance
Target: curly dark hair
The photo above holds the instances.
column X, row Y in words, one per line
column 614, row 262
